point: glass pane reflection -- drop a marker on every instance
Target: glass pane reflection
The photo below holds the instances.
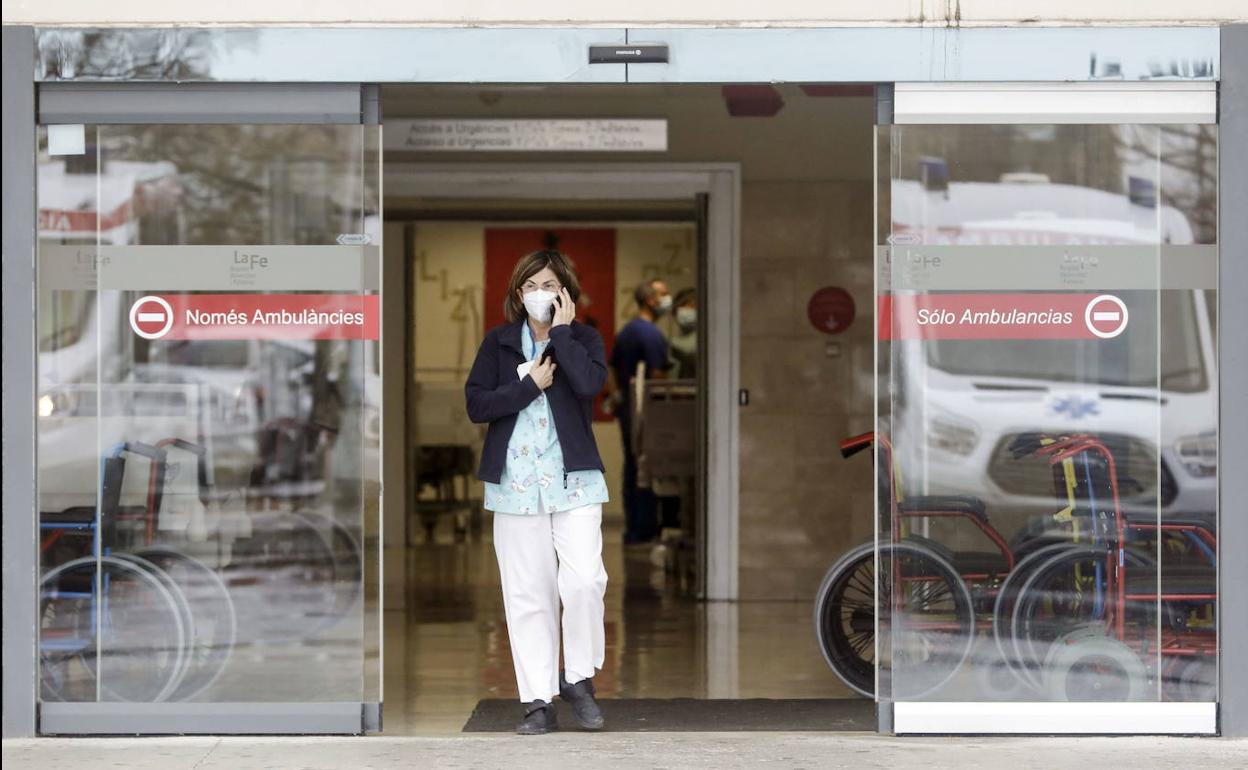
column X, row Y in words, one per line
column 207, row 489
column 1046, row 447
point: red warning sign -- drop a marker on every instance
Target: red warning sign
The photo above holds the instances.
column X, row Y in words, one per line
column 1105, row 316
column 151, row 317
column 1001, row 316
column 257, row 316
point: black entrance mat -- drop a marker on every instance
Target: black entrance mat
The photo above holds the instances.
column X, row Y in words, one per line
column 496, row 715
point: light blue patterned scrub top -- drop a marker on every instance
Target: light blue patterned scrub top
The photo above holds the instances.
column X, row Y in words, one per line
column 533, row 479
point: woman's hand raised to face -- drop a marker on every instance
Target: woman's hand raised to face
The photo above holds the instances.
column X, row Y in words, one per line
column 565, row 309
column 543, row 372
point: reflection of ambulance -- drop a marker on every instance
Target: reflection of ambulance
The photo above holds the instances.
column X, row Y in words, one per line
column 82, row 206
column 957, row 404
column 125, row 200
column 100, row 383
column 95, row 390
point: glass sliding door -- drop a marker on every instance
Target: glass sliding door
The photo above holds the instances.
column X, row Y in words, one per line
column 1046, row 434
column 208, row 427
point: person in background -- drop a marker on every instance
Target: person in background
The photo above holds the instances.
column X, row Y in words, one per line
column 534, row 382
column 639, row 341
column 683, row 350
column 685, row 344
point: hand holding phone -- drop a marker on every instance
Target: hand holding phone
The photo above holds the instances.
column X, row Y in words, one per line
column 565, row 309
column 543, row 372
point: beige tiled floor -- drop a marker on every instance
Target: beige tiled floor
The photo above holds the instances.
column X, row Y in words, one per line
column 449, row 648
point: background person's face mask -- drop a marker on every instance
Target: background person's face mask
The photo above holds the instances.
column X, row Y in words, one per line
column 540, row 305
column 686, row 318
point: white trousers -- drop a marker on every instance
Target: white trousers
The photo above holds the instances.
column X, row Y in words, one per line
column 544, row 559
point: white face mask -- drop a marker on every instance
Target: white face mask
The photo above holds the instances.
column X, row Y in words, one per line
column 687, row 317
column 665, row 304
column 540, row 303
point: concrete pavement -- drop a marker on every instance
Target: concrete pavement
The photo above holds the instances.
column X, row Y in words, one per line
column 607, row 751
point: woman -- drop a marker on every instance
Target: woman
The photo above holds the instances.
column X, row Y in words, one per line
column 534, row 381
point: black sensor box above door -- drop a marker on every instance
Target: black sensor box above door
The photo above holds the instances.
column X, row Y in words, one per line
column 628, row 53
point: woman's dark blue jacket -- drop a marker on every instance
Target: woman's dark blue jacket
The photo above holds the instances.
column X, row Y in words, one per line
column 496, row 395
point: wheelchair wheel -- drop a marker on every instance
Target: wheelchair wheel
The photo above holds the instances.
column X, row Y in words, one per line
column 921, row 646
column 282, row 580
column 139, row 650
column 215, row 627
column 1086, row 665
column 845, row 619
column 348, row 562
column 184, row 609
column 1003, row 610
column 994, row 678
column 1060, row 597
column 1195, row 680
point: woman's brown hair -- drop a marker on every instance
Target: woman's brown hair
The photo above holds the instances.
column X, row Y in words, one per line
column 529, row 266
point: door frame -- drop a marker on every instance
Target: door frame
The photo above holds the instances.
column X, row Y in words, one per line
column 970, row 104
column 149, row 104
column 552, row 55
column 721, row 182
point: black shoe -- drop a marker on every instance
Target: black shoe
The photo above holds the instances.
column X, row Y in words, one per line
column 581, row 697
column 539, row 719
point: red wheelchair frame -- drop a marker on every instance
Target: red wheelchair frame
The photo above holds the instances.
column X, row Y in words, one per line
column 1112, row 532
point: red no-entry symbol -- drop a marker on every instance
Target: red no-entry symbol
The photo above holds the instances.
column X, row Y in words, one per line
column 151, row 317
column 1105, row 316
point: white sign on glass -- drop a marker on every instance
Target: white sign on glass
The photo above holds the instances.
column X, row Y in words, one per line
column 264, row 267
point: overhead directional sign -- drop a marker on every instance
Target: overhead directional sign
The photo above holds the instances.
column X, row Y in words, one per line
column 526, row 135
